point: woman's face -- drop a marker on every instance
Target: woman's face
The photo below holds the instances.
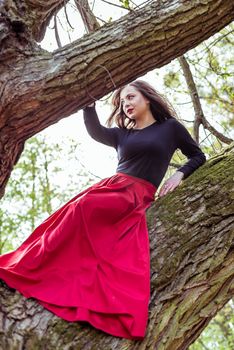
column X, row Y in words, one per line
column 134, row 104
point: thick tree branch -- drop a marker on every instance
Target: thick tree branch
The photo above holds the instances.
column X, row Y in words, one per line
column 26, row 20
column 192, row 272
column 118, row 49
column 39, row 14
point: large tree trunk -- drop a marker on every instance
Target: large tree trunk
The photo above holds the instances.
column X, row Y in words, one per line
column 192, row 271
column 38, row 88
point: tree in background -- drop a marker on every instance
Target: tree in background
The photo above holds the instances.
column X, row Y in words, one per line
column 38, row 186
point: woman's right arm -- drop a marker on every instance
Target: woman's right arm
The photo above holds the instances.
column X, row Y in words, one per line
column 98, row 132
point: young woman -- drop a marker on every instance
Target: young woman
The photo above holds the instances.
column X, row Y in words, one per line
column 89, row 261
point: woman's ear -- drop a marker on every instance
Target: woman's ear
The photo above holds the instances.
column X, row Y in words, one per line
column 146, row 100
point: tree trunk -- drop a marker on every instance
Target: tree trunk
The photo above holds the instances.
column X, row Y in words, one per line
column 191, row 248
column 192, row 271
column 38, row 88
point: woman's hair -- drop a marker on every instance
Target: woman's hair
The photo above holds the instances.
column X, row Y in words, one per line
column 160, row 108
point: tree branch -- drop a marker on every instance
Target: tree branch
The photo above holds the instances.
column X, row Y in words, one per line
column 39, row 14
column 90, row 22
column 116, row 5
column 199, row 115
column 193, row 94
column 57, row 32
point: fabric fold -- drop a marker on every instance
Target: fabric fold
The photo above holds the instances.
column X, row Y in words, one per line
column 89, row 260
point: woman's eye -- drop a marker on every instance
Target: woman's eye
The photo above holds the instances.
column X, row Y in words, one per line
column 128, row 98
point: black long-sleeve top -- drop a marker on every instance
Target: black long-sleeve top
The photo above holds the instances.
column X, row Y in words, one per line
column 146, row 153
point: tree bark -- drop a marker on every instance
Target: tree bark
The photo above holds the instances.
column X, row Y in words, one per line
column 192, row 273
column 38, row 88
column 191, row 246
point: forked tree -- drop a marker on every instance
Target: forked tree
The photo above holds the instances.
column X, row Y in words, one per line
column 191, row 230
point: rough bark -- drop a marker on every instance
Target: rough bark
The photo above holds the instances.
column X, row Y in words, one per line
column 29, row 17
column 38, row 88
column 191, row 246
column 192, row 273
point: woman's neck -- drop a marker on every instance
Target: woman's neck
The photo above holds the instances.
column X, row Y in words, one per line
column 142, row 123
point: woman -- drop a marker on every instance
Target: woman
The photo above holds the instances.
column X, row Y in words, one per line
column 89, row 261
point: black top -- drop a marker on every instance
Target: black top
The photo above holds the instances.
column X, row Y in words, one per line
column 146, row 153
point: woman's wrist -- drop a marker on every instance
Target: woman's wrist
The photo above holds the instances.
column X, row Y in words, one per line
column 180, row 173
column 91, row 104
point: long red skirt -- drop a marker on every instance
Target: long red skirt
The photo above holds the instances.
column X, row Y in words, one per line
column 89, row 261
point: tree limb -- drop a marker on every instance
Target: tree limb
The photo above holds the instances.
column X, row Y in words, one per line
column 90, row 22
column 57, row 32
column 39, row 13
column 199, row 115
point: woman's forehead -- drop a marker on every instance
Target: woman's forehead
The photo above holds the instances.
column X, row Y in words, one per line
column 127, row 90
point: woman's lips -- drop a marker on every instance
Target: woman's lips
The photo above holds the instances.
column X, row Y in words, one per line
column 130, row 110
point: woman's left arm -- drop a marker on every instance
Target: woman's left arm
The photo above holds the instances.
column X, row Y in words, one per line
column 191, row 150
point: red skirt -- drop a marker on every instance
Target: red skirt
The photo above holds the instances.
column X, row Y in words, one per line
column 89, row 261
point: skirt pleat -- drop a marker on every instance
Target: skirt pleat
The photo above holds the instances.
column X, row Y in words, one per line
column 89, row 260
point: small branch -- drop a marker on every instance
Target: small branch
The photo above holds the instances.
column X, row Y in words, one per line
column 119, row 6
column 87, row 170
column 101, row 20
column 203, row 345
column 213, row 88
column 193, row 94
column 56, row 32
column 216, row 41
column 67, row 18
column 215, row 132
column 199, row 115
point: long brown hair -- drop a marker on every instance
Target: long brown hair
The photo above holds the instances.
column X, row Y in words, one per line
column 160, row 108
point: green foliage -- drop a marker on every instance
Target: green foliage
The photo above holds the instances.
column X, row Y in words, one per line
column 125, row 3
column 32, row 193
column 219, row 335
column 213, row 69
column 172, row 79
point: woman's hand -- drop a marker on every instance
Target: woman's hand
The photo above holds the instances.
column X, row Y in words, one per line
column 170, row 184
column 91, row 104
